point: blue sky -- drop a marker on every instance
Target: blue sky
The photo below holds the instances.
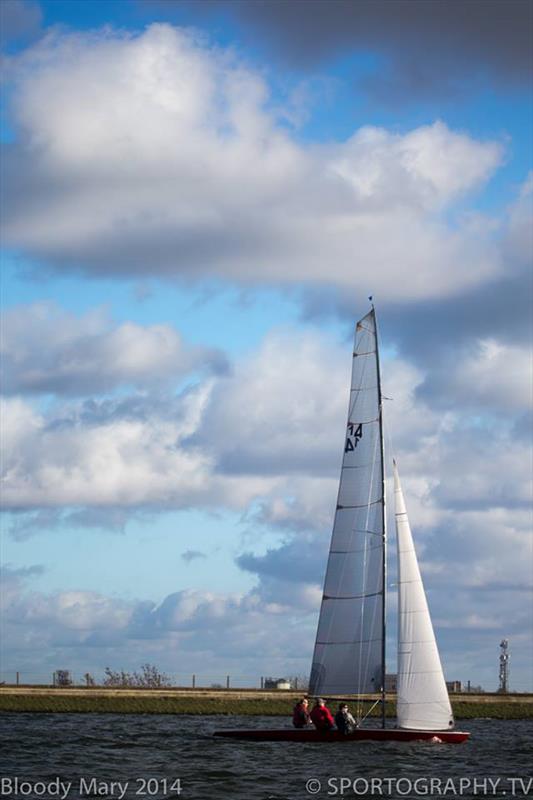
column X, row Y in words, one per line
column 198, row 200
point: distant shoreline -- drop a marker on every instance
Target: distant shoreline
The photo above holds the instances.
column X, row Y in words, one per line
column 245, row 702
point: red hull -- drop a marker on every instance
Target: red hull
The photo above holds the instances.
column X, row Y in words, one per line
column 376, row 734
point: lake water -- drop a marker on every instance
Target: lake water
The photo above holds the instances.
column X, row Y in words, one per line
column 78, row 756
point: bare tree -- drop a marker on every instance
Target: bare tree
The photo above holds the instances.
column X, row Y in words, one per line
column 300, row 682
column 148, row 678
column 63, row 677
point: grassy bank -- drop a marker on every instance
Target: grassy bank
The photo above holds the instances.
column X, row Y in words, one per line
column 246, row 704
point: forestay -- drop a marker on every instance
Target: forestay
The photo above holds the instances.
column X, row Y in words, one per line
column 348, row 655
column 422, row 700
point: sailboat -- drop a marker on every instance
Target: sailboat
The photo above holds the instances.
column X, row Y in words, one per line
column 349, row 654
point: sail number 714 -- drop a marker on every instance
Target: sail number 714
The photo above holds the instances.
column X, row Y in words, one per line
column 355, row 433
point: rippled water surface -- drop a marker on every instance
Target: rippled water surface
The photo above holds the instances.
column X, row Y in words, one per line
column 44, row 750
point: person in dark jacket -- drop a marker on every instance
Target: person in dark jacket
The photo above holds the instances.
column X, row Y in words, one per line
column 321, row 716
column 300, row 715
column 344, row 720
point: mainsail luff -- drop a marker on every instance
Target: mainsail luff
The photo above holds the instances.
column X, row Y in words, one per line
column 422, row 697
column 384, row 536
column 348, row 655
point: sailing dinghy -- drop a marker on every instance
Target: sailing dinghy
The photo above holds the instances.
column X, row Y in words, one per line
column 349, row 654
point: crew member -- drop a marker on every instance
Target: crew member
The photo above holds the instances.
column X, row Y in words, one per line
column 321, row 716
column 344, row 720
column 300, row 715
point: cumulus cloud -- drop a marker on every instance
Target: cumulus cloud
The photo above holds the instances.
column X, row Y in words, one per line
column 47, row 350
column 156, row 154
column 275, row 413
column 202, row 632
column 482, row 376
column 67, row 462
column 264, row 439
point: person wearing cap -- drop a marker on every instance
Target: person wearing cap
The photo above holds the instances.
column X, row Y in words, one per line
column 300, row 714
column 321, row 716
column 344, row 720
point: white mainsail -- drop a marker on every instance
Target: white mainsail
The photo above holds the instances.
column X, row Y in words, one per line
column 348, row 656
column 422, row 697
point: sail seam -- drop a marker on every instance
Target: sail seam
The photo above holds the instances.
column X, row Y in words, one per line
column 420, row 672
column 414, row 611
column 363, row 505
column 344, row 552
column 351, row 596
column 351, row 641
column 414, row 641
column 357, row 466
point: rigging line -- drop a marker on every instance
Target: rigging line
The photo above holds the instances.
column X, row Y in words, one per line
column 374, row 610
column 372, row 707
column 362, row 672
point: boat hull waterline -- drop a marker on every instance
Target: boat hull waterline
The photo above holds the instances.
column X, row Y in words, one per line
column 374, row 734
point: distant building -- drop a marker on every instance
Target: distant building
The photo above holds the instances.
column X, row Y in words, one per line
column 277, row 683
column 454, row 686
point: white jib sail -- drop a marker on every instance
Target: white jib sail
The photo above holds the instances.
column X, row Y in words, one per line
column 348, row 651
column 422, row 699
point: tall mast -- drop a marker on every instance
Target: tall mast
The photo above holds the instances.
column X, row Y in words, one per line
column 384, row 528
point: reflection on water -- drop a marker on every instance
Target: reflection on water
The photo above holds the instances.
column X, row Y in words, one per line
column 131, row 756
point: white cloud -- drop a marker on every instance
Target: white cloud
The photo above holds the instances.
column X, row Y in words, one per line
column 429, row 166
column 200, row 632
column 277, row 411
column 45, row 349
column 157, row 154
column 123, row 461
column 496, row 375
column 264, row 439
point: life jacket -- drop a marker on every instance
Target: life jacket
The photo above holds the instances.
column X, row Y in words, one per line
column 321, row 718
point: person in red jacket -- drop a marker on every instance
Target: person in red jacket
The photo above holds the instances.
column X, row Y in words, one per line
column 321, row 716
column 300, row 714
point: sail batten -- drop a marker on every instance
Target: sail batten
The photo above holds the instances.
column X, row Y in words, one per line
column 348, row 654
column 422, row 696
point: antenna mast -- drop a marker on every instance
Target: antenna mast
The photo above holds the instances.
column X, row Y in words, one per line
column 504, row 667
